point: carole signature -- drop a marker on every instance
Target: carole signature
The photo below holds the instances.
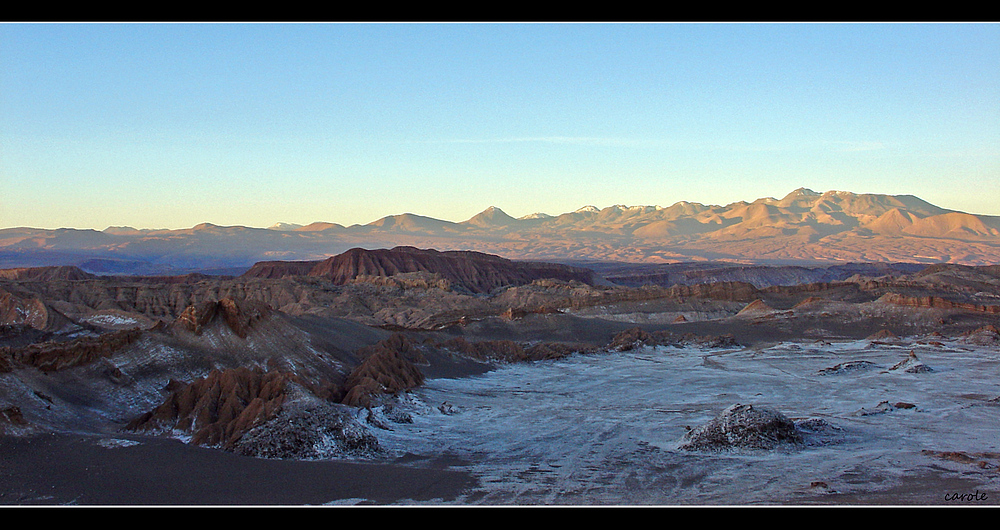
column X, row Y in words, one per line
column 966, row 497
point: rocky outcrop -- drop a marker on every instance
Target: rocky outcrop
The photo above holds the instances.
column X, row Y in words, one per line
column 757, row 308
column 221, row 407
column 637, row 338
column 52, row 356
column 474, row 272
column 239, row 316
column 911, row 365
column 17, row 310
column 387, row 368
column 632, row 338
column 743, row 427
column 308, row 430
column 937, row 302
column 280, row 269
column 987, row 335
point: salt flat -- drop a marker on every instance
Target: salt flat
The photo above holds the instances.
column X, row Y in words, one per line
column 604, row 428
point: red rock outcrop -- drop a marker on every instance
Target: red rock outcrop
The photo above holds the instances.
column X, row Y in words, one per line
column 240, row 316
column 937, row 302
column 280, row 269
column 219, row 408
column 757, row 308
column 53, row 356
column 474, row 271
column 387, row 368
column 18, row 310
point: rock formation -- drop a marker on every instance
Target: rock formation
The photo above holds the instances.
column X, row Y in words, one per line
column 218, row 409
column 309, row 429
column 52, row 356
column 637, row 337
column 238, row 316
column 474, row 272
column 912, row 365
column 937, row 302
column 387, row 368
column 743, row 427
column 508, row 351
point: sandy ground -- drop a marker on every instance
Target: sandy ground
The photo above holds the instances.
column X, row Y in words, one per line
column 65, row 469
column 129, row 470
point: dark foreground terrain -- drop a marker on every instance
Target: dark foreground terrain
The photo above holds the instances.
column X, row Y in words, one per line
column 74, row 469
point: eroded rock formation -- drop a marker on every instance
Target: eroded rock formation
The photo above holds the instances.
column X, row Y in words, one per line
column 240, row 316
column 52, row 356
column 387, row 368
column 472, row 271
column 218, row 409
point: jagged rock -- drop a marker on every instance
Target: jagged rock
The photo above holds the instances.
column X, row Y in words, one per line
column 386, row 369
column 743, row 427
column 239, row 316
column 912, row 365
column 221, row 407
column 309, row 429
column 398, row 343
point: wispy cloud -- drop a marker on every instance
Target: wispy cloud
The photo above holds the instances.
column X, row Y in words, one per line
column 563, row 140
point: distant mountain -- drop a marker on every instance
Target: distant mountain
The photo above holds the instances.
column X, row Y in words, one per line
column 804, row 226
column 285, row 226
column 491, row 217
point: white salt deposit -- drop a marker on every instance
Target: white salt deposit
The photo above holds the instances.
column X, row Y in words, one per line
column 604, row 428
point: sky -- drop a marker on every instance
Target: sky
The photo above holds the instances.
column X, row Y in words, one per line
column 168, row 125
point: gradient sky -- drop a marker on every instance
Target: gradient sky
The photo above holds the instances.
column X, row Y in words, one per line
column 171, row 125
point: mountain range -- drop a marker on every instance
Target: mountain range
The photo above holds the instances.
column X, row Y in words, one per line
column 803, row 227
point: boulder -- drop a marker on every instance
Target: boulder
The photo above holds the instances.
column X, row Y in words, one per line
column 743, row 427
column 912, row 365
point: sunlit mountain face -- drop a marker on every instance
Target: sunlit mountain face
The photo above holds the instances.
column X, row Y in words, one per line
column 805, row 226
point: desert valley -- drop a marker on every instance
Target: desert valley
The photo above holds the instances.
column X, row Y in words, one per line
column 822, row 348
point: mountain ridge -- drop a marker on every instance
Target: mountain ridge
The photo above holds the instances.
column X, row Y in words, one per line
column 803, row 226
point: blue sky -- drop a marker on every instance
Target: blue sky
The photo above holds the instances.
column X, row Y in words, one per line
column 171, row 125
